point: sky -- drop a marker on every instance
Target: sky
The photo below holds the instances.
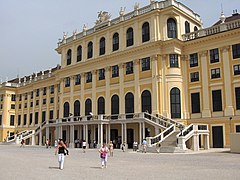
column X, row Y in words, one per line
column 30, row 29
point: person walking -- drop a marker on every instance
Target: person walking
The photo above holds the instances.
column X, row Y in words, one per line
column 22, row 143
column 144, row 144
column 61, row 153
column 103, row 155
column 84, row 145
column 111, row 148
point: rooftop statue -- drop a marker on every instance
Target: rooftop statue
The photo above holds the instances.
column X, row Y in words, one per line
column 102, row 17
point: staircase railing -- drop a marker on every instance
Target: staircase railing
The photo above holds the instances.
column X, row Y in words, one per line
column 171, row 121
column 161, row 137
column 189, row 132
column 158, row 120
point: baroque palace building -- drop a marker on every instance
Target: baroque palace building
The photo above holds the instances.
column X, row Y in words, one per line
column 132, row 77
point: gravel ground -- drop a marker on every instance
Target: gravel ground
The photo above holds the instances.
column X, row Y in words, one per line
column 39, row 163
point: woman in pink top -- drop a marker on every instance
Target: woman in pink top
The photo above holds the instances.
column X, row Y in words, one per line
column 103, row 155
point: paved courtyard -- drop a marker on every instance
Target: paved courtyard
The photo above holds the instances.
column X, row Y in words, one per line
column 35, row 163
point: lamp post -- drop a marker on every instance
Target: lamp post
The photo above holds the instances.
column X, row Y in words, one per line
column 230, row 124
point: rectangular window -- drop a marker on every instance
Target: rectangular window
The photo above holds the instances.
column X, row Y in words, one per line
column 52, row 100
column 19, row 106
column 37, row 92
column 12, row 106
column 36, row 117
column 194, row 76
column 101, row 74
column 88, row 77
column 44, row 101
column 236, row 69
column 52, row 89
column 43, row 116
column 115, row 72
column 32, row 95
column 51, row 114
column 237, row 128
column 145, row 64
column 217, row 100
column 31, row 104
column 30, row 119
column 237, row 97
column 67, row 81
column 26, row 96
column 77, row 79
column 25, row 105
column 214, row 55
column 0, row 120
column 215, row 73
column 236, row 51
column 19, row 120
column 25, row 119
column 44, row 91
column 173, row 58
column 195, row 100
column 20, row 97
column 13, row 98
column 193, row 60
column 12, row 120
column 129, row 67
column 37, row 102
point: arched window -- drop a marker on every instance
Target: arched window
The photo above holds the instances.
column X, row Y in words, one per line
column 66, row 109
column 129, row 37
column 77, row 108
column 129, row 104
column 175, row 100
column 69, row 57
column 101, row 105
column 90, row 50
column 146, row 101
column 195, row 28
column 171, row 28
column 115, row 106
column 115, row 42
column 145, row 32
column 187, row 27
column 79, row 53
column 102, row 46
column 88, row 106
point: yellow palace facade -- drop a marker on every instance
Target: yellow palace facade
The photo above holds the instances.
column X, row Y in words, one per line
column 125, row 78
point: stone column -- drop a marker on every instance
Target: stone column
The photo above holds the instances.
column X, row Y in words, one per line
column 82, row 111
column 155, row 88
column 137, row 94
column 121, row 89
column 101, row 134
column 185, row 100
column 40, row 138
column 55, row 115
column 94, row 102
column 195, row 142
column 109, row 133
column 61, row 99
column 71, row 103
column 140, row 133
column 122, row 132
column 71, row 143
column 164, row 86
column 228, row 111
column 206, row 141
column 86, row 135
column 107, row 91
column 47, row 133
column 143, row 130
column 205, row 85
